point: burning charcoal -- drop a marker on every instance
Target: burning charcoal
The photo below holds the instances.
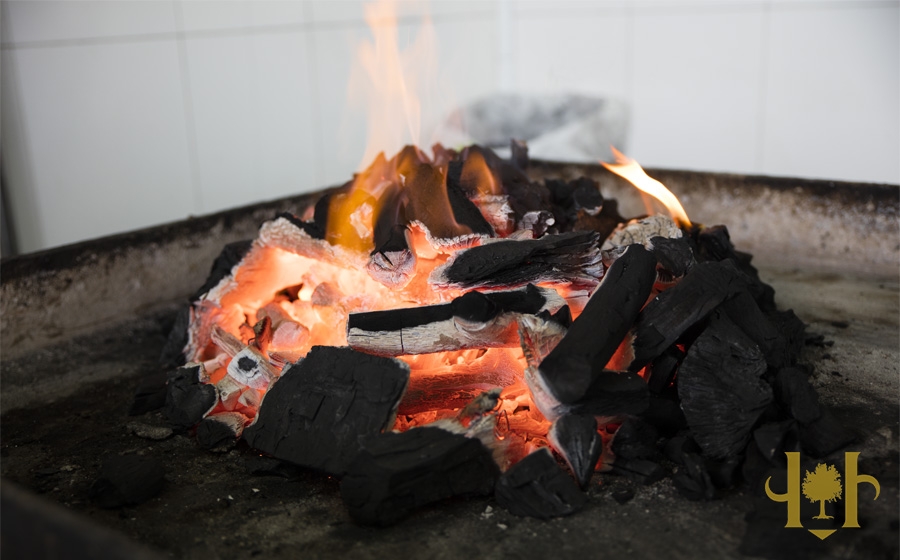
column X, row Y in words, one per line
column 229, row 391
column 721, row 389
column 397, row 473
column 641, row 471
column 537, row 487
column 825, row 435
column 392, row 262
column 662, row 369
column 318, row 409
column 127, row 480
column 220, row 431
column 464, row 210
column 796, row 395
column 692, row 480
column 566, row 258
column 317, row 228
column 230, row 256
column 250, row 368
column 150, row 394
column 672, row 312
column 642, row 231
column 474, row 320
column 746, row 314
column 674, row 254
column 188, row 399
column 635, row 439
column 568, row 371
column 172, row 354
column 575, row 437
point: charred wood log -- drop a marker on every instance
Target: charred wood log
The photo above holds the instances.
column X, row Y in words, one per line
column 563, row 258
column 396, row 473
column 569, row 370
column 474, row 320
column 575, row 437
column 537, row 487
column 672, row 312
column 722, row 393
column 315, row 414
column 188, row 398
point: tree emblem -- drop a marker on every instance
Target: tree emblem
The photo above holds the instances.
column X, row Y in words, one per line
column 822, row 485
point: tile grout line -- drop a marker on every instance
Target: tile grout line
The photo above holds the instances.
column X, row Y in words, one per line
column 188, row 104
column 762, row 96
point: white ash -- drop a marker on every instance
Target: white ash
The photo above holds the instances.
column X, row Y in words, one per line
column 641, row 231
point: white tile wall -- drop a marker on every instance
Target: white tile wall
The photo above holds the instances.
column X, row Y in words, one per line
column 118, row 115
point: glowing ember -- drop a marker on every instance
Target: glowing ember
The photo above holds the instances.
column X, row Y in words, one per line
column 630, row 170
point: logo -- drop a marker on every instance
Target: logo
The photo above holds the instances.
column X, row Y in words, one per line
column 823, row 485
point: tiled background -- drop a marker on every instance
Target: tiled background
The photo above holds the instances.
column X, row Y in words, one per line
column 122, row 114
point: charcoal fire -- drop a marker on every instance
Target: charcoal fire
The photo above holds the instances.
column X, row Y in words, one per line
column 436, row 325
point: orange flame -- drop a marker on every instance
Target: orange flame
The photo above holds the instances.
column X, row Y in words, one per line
column 631, row 171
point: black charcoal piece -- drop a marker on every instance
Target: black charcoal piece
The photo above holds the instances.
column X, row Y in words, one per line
column 675, row 310
column 537, row 487
column 464, row 210
column 662, row 369
column 188, row 399
column 518, row 153
column 318, row 409
column 575, row 437
column 172, row 354
column 673, row 254
column 724, row 473
column 612, row 393
column 825, row 435
column 796, row 396
column 569, row 370
column 664, row 413
column 721, row 389
column 127, row 480
column 642, row 471
column 774, row 439
column 714, row 244
column 396, row 473
column 692, row 480
column 564, row 257
column 792, row 330
column 150, row 393
column 231, row 255
column 623, row 496
column 677, row 447
column 572, row 199
column 745, row 313
column 635, row 439
column 220, row 431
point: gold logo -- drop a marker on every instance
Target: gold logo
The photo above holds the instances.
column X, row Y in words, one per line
column 823, row 485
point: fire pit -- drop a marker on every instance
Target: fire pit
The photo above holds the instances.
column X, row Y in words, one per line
column 830, row 250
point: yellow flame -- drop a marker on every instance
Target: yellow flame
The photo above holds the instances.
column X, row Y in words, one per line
column 631, row 171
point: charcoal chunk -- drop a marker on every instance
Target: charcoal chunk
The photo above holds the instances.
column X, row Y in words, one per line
column 569, row 370
column 537, row 487
column 722, row 393
column 674, row 254
column 796, row 396
column 315, row 414
column 575, row 437
column 635, row 439
column 220, row 431
column 231, row 255
column 464, row 210
column 693, row 481
column 623, row 496
column 172, row 354
column 612, row 393
column 150, row 394
column 396, row 473
column 662, row 369
column 746, row 314
column 642, row 471
column 825, row 435
column 792, row 330
column 774, row 439
column 127, row 480
column 188, row 399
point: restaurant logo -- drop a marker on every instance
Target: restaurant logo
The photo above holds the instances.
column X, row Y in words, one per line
column 823, row 485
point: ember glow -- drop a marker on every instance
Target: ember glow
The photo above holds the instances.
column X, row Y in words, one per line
column 631, row 171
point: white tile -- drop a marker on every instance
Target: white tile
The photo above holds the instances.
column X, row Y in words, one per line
column 466, row 69
column 251, row 98
column 580, row 53
column 832, row 106
column 106, row 138
column 348, row 11
column 696, row 90
column 237, row 14
column 79, row 19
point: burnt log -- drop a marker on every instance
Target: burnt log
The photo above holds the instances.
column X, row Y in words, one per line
column 675, row 310
column 537, row 487
column 188, row 399
column 563, row 258
column 473, row 320
column 316, row 412
column 569, row 370
column 721, row 387
column 575, row 437
column 396, row 473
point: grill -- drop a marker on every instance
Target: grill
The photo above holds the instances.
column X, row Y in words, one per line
column 82, row 324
